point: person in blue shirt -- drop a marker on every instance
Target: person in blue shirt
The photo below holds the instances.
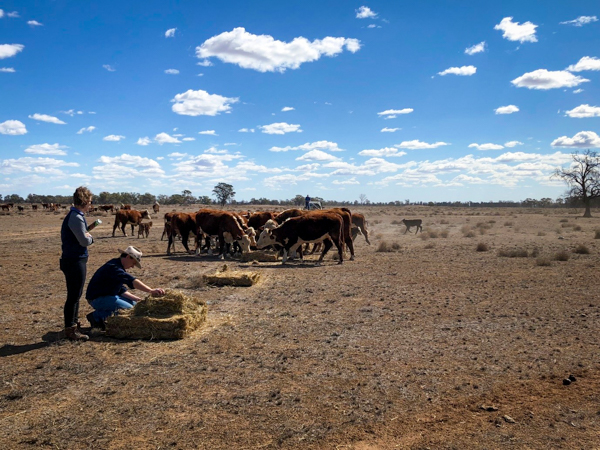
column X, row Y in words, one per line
column 107, row 291
column 75, row 240
column 307, row 202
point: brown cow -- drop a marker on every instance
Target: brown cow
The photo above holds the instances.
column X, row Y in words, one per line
column 126, row 206
column 347, row 216
column 106, row 208
column 132, row 217
column 167, row 228
column 34, row 207
column 144, row 229
column 257, row 220
column 183, row 224
column 314, row 226
column 156, row 207
column 222, row 224
column 5, row 207
column 359, row 225
column 21, row 208
column 46, row 205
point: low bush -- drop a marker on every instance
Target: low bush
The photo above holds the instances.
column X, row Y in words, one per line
column 543, row 261
column 564, row 220
column 444, row 233
column 577, row 228
column 384, row 247
column 482, row 247
column 430, row 246
column 581, row 250
column 508, row 223
column 597, row 234
column 562, row 256
column 513, row 253
column 541, row 233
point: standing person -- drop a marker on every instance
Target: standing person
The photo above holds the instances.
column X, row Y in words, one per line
column 73, row 261
column 106, row 292
column 307, row 201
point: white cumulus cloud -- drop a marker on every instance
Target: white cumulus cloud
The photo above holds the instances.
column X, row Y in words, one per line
column 209, row 132
column 463, row 71
column 382, row 152
column 511, row 144
column 204, row 63
column 392, row 113
column 317, row 155
column 109, row 67
column 170, row 32
column 88, row 129
column 46, row 118
column 545, row 79
column 513, row 31
column 246, row 130
column 13, row 128
column 7, row 69
column 580, row 21
column 389, row 130
column 172, row 72
column 46, row 149
column 164, row 138
column 418, row 145
column 287, row 108
column 201, row 103
column 8, row 50
column 583, row 139
column 144, row 141
column 265, row 54
column 34, row 23
column 486, row 146
column 364, row 12
column 318, row 145
column 584, row 111
column 509, row 109
column 113, row 138
column 280, row 128
column 585, row 63
column 477, row 48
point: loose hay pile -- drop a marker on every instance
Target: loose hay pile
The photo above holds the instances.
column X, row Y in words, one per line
column 259, row 256
column 226, row 277
column 172, row 316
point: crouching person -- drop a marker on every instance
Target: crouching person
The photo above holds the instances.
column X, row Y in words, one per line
column 106, row 291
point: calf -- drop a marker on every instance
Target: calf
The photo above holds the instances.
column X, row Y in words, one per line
column 156, row 208
column 359, row 225
column 144, row 229
column 132, row 217
column 321, row 226
column 413, row 223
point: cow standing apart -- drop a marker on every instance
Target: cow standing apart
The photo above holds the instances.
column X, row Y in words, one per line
column 106, row 208
column 156, row 208
column 144, row 229
column 321, row 226
column 183, row 224
column 21, row 208
column 132, row 217
column 413, row 223
column 34, row 207
column 5, row 207
column 359, row 225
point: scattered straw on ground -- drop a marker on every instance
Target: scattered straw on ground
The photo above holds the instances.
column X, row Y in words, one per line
column 259, row 256
column 172, row 316
column 226, row 277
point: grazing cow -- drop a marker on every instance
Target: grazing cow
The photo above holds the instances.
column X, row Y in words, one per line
column 21, row 208
column 106, row 208
column 318, row 226
column 359, row 225
column 348, row 239
column 34, row 207
column 132, row 217
column 413, row 223
column 156, row 207
column 183, row 224
column 144, row 229
column 224, row 225
column 46, row 205
column 5, row 207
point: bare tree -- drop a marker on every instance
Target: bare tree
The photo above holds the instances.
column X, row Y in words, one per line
column 363, row 198
column 583, row 178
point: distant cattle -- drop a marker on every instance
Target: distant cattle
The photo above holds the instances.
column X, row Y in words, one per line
column 413, row 223
column 144, row 229
column 359, row 225
column 132, row 217
column 5, row 207
column 34, row 207
column 156, row 208
column 46, row 205
column 312, row 227
column 106, row 208
column 183, row 224
column 21, row 208
column 126, row 206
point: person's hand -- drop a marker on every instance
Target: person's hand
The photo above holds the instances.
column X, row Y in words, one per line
column 157, row 292
column 88, row 235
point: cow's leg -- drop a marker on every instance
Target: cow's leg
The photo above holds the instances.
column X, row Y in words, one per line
column 171, row 242
column 115, row 228
column 406, row 229
column 419, row 228
column 184, row 239
column 132, row 225
column 327, row 244
column 284, row 256
column 366, row 235
column 350, row 245
column 221, row 245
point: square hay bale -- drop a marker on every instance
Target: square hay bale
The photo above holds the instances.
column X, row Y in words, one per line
column 226, row 277
column 259, row 256
column 172, row 316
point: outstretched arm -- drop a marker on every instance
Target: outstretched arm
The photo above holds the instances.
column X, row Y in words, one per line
column 137, row 284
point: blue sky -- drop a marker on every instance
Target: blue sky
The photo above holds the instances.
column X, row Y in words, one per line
column 427, row 101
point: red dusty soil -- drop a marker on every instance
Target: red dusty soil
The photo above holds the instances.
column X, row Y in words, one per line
column 429, row 344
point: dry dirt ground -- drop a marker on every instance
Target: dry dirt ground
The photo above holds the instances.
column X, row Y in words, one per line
column 431, row 344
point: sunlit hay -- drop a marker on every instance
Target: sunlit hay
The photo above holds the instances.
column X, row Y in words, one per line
column 172, row 316
column 226, row 277
column 259, row 256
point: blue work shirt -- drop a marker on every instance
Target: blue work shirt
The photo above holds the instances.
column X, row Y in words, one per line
column 109, row 280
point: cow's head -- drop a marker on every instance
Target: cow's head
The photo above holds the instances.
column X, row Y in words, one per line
column 251, row 233
column 270, row 224
column 245, row 243
column 265, row 239
column 146, row 214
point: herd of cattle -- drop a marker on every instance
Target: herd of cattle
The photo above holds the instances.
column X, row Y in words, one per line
column 289, row 231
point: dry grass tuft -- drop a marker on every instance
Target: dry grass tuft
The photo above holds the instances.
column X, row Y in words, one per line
column 597, row 234
column 564, row 220
column 541, row 233
column 444, row 233
column 430, row 246
column 513, row 253
column 562, row 256
column 581, row 250
column 577, row 228
column 508, row 223
column 384, row 247
column 482, row 247
column 543, row 261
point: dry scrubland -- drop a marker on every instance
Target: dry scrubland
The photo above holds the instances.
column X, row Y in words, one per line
column 457, row 338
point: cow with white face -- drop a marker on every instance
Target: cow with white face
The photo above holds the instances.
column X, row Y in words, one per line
column 312, row 227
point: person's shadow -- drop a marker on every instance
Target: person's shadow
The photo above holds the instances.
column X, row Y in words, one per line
column 47, row 339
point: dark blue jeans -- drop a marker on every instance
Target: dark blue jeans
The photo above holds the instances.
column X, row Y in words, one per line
column 75, row 271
